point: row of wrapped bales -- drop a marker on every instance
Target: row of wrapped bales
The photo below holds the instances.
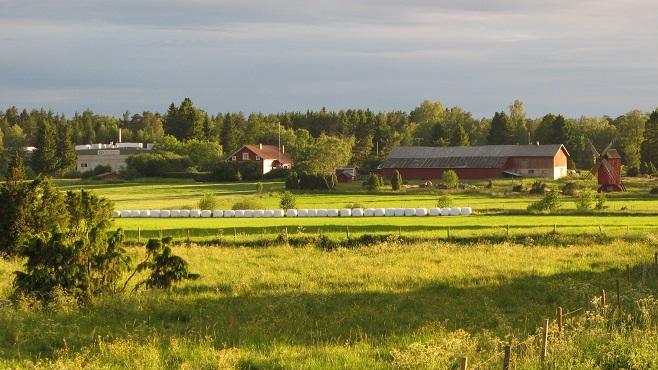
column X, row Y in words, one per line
column 276, row 213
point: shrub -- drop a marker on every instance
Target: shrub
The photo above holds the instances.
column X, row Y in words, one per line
column 292, row 181
column 518, row 188
column 489, row 184
column 288, row 201
column 166, row 268
column 585, row 200
column 208, row 201
column 632, row 172
column 373, row 182
column 354, row 205
column 277, row 173
column 396, row 180
column 450, row 179
column 246, row 204
column 601, row 200
column 445, row 201
column 538, row 187
column 98, row 170
column 569, row 188
column 654, row 190
column 550, row 202
column 259, row 188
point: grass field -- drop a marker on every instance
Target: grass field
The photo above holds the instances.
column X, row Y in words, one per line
column 420, row 301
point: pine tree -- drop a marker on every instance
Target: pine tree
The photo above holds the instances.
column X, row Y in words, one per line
column 501, row 131
column 65, row 146
column 44, row 159
column 459, row 136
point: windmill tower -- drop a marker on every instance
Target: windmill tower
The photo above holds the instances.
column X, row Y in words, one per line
column 608, row 169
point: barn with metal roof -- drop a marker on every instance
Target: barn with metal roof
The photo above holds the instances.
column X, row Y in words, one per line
column 477, row 162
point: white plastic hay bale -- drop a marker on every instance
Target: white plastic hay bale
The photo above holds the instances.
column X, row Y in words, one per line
column 421, row 212
column 155, row 213
column 322, row 212
column 278, row 213
column 379, row 212
column 165, row 213
column 134, row 213
column 268, row 213
column 125, row 213
column 195, row 213
column 434, row 211
column 145, row 213
column 389, row 212
column 369, row 212
column 357, row 212
column 455, row 211
column 229, row 213
column 399, row 212
column 345, row 212
column 410, row 211
column 258, row 213
column 291, row 213
column 175, row 213
column 218, row 213
column 249, row 213
column 116, row 213
column 205, row 213
column 312, row 213
column 302, row 212
column 239, row 213
column 185, row 213
column 333, row 212
column 466, row 211
column 445, row 211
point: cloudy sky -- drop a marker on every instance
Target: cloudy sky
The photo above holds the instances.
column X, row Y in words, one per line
column 570, row 57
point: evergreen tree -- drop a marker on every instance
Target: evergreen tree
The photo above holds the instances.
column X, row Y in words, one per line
column 439, row 135
column 501, row 131
column 228, row 135
column 396, row 180
column 65, row 146
column 459, row 136
column 544, row 132
column 649, row 146
column 45, row 159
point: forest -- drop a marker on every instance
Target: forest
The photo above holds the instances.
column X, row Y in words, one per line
column 53, row 136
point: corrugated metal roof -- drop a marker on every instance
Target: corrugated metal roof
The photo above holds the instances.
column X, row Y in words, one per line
column 489, row 156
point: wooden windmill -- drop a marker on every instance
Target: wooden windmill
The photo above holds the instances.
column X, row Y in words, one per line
column 607, row 167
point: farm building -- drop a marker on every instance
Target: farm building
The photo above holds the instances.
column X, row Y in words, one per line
column 269, row 156
column 347, row 173
column 113, row 155
column 477, row 162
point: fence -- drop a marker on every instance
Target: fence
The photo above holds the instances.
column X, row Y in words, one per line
column 505, row 356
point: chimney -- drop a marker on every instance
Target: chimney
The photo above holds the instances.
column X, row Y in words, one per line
column 283, row 148
column 260, row 146
column 119, row 134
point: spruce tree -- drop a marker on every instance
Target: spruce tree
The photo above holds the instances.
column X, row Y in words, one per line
column 65, row 146
column 649, row 146
column 44, row 159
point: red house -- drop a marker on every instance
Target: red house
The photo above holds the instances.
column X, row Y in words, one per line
column 269, row 156
column 347, row 173
column 477, row 162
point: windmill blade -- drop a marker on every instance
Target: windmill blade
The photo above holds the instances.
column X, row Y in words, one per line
column 608, row 167
column 607, row 148
column 595, row 169
column 593, row 149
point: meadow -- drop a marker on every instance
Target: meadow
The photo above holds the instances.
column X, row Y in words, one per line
column 414, row 298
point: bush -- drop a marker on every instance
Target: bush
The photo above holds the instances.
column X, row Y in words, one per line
column 396, row 180
column 292, row 181
column 569, row 188
column 288, row 201
column 354, row 205
column 654, row 190
column 538, row 187
column 601, row 200
column 208, row 201
column 585, row 200
column 550, row 202
column 518, row 188
column 445, row 201
column 98, row 170
column 277, row 173
column 450, row 179
column 632, row 172
column 72, row 174
column 374, row 182
column 246, row 204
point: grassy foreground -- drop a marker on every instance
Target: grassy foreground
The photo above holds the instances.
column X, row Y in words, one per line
column 388, row 305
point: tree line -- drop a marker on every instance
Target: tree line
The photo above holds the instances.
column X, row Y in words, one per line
column 372, row 134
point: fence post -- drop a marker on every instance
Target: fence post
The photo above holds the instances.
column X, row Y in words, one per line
column 508, row 354
column 618, row 297
column 507, row 230
column 347, row 228
column 600, row 230
column 544, row 342
column 188, row 237
column 448, row 232
column 464, row 363
column 235, row 235
column 139, row 235
column 559, row 319
column 400, row 232
column 586, row 302
column 555, row 228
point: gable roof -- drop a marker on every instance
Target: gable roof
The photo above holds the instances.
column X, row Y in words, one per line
column 269, row 152
column 488, row 156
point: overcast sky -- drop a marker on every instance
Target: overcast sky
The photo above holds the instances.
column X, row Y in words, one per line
column 570, row 57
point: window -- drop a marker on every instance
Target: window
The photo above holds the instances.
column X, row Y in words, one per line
column 245, row 156
column 258, row 158
column 233, row 158
column 531, row 172
column 83, row 165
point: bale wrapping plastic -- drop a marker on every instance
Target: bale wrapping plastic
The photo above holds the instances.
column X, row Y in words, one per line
column 238, row 213
column 322, row 213
column 268, row 213
column 229, row 213
column 333, row 212
column 379, row 212
column 175, row 213
column 249, row 213
column 258, row 213
column 278, row 213
column 410, row 211
column 345, row 212
column 165, row 213
column 218, row 213
column 205, row 213
column 445, row 211
column 421, row 212
column 302, row 212
column 125, row 213
column 455, row 211
column 195, row 213
column 435, row 211
column 466, row 211
column 155, row 213
column 369, row 212
column 357, row 212
column 134, row 213
column 399, row 212
column 312, row 213
column 389, row 212
column 116, row 213
column 291, row 213
column 185, row 213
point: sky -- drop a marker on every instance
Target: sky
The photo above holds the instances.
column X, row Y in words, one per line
column 570, row 57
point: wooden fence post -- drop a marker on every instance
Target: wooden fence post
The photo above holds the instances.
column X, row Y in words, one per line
column 508, row 354
column 600, row 230
column 544, row 342
column 464, row 363
column 508, row 230
column 555, row 228
column 559, row 319
column 347, row 228
column 139, row 235
column 618, row 297
column 188, row 237
column 586, row 302
column 235, row 235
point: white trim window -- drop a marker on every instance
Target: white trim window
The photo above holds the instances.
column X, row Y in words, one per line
column 83, row 165
column 245, row 156
column 258, row 158
column 233, row 158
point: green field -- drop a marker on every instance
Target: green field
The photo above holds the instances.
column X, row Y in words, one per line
column 417, row 298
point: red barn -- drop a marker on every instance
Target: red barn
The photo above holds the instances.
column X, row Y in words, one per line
column 269, row 156
column 477, row 162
